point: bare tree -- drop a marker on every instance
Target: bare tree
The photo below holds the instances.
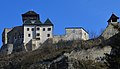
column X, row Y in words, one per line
column 101, row 31
column 92, row 34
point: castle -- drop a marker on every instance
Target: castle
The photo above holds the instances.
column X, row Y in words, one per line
column 33, row 33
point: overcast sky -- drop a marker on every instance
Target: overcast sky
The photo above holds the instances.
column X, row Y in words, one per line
column 92, row 15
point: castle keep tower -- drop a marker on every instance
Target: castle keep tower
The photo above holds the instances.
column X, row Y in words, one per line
column 35, row 32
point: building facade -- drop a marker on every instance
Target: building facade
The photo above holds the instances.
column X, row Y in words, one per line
column 72, row 33
column 76, row 33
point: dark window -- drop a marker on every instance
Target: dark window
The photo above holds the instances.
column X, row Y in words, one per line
column 49, row 29
column 38, row 34
column 27, row 29
column 38, row 28
column 84, row 33
column 114, row 20
column 43, row 29
column 38, row 38
column 28, row 35
column 15, row 37
column 48, row 35
column 32, row 29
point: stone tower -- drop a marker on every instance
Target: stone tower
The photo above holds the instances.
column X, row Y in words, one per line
column 113, row 19
column 112, row 28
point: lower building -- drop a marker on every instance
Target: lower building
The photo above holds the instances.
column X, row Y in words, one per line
column 72, row 33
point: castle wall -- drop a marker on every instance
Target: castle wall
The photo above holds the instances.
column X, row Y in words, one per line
column 110, row 30
column 4, row 35
column 15, row 36
column 72, row 34
column 57, row 38
column 15, row 39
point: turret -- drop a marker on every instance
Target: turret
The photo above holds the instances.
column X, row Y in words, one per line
column 113, row 19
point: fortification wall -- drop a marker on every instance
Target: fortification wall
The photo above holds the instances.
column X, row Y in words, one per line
column 57, row 38
column 7, row 49
column 110, row 30
column 15, row 35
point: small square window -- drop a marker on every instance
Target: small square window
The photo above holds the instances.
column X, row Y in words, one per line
column 32, row 29
column 38, row 34
column 84, row 33
column 28, row 35
column 27, row 29
column 49, row 29
column 48, row 35
column 43, row 29
column 38, row 28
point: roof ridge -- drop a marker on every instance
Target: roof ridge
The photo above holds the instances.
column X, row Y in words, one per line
column 31, row 12
column 38, row 22
column 48, row 21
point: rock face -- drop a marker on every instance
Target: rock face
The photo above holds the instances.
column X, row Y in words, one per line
column 96, row 54
column 52, row 60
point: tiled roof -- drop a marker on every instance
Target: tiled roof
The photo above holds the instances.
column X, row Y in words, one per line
column 48, row 22
column 38, row 22
column 30, row 13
